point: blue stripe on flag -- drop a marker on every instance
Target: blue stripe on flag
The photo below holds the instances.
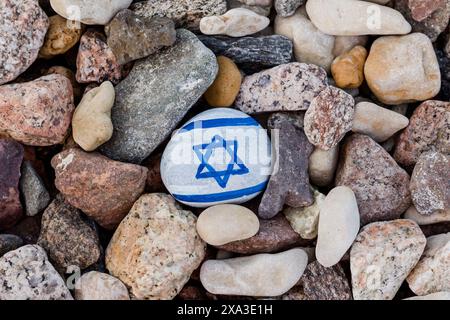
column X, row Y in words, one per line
column 221, row 122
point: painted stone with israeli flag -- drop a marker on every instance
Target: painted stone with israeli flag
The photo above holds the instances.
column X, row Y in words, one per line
column 220, row 156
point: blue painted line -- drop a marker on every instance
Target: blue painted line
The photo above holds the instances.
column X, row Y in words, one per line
column 221, row 122
column 215, row 197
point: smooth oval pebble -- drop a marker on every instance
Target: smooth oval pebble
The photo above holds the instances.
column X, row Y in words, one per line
column 220, row 156
column 322, row 166
column 225, row 223
column 261, row 275
column 338, row 225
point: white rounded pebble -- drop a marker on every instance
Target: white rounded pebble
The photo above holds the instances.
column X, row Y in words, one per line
column 100, row 286
column 338, row 226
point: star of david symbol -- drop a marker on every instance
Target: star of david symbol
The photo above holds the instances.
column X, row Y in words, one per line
column 234, row 167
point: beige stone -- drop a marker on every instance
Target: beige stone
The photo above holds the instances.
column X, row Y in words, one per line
column 236, row 22
column 310, row 44
column 225, row 223
column 305, row 220
column 355, row 18
column 421, row 219
column 348, row 68
column 403, row 69
column 343, row 44
column 322, row 166
column 61, row 36
column 377, row 122
column 100, row 286
column 91, row 122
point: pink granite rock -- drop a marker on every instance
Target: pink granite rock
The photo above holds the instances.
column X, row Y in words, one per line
column 428, row 129
column 329, row 118
column 381, row 187
column 39, row 112
column 11, row 156
column 422, row 9
column 23, row 25
column 96, row 61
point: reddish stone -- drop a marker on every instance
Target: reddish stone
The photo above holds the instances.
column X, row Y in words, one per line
column 39, row 112
column 422, row 9
column 381, row 187
column 96, row 61
column 11, row 156
column 154, row 181
column 102, row 188
column 428, row 129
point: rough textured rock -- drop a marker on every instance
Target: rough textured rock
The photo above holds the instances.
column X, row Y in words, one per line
column 286, row 8
column 274, row 235
column 262, row 275
column 100, row 286
column 102, row 188
column 225, row 88
column 430, row 183
column 333, row 17
column 329, row 118
column 34, row 193
column 338, row 225
column 67, row 238
column 322, row 166
column 432, row 272
column 61, row 36
column 91, row 122
column 23, row 25
column 9, row 242
column 289, row 87
column 403, row 69
column 377, row 122
column 421, row 219
column 428, row 17
column 225, row 223
column 26, row 274
column 382, row 256
column 155, row 248
column 320, row 283
column 251, row 53
column 96, row 61
column 310, row 44
column 156, row 95
column 185, row 13
column 238, row 22
column 380, row 185
column 89, row 11
column 305, row 221
column 261, row 10
column 428, row 129
column 290, row 183
column 38, row 112
column 348, row 68
column 128, row 35
column 11, row 156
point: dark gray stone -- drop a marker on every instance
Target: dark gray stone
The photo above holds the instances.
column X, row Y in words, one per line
column 34, row 193
column 9, row 242
column 252, row 54
column 156, row 96
column 290, row 183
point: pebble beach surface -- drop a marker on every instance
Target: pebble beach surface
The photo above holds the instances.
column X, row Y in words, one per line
column 224, row 149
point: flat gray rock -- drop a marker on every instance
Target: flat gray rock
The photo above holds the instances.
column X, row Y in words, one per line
column 156, row 96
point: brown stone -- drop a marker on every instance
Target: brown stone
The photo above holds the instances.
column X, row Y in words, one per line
column 96, row 61
column 329, row 118
column 429, row 129
column 274, row 235
column 102, row 188
column 348, row 68
column 381, row 187
column 290, row 183
column 39, row 112
column 430, row 183
column 422, row 9
column 67, row 238
column 154, row 181
column 320, row 283
column 11, row 156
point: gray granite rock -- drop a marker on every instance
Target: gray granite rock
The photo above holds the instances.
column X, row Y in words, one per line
column 290, row 182
column 9, row 242
column 252, row 53
column 26, row 274
column 34, row 193
column 286, row 8
column 185, row 13
column 156, row 96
